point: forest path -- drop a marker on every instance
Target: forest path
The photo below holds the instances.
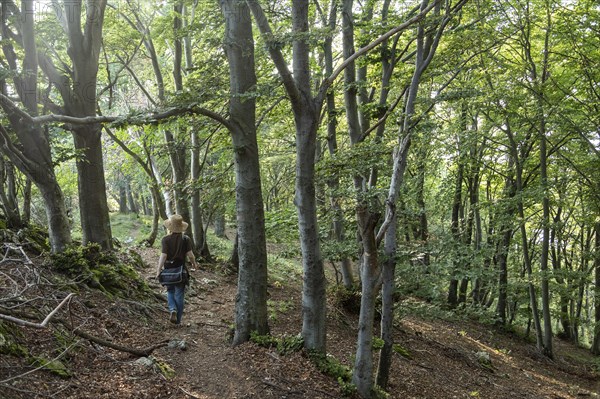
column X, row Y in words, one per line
column 210, row 367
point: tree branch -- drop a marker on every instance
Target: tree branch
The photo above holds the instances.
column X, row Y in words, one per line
column 43, row 323
column 150, row 118
column 274, row 51
column 363, row 50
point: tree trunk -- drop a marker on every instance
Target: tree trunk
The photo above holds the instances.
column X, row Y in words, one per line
column 149, row 241
column 362, row 375
column 177, row 157
column 502, row 247
column 79, row 97
column 93, row 206
column 59, row 229
column 387, row 306
column 596, row 343
column 122, row 198
column 200, row 243
column 332, row 146
column 34, row 159
column 455, row 228
column 133, row 207
column 306, row 111
column 251, row 299
column 313, row 291
column 8, row 197
column 219, row 225
column 514, row 150
column 144, row 204
column 27, row 202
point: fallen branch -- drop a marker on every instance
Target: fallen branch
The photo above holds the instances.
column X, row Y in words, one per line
column 138, row 352
column 44, row 323
column 9, row 248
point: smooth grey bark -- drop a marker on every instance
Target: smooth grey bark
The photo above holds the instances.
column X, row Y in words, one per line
column 178, row 158
column 362, row 375
column 388, row 286
column 33, row 158
column 427, row 44
column 505, row 231
column 251, row 299
column 176, row 149
column 457, row 235
column 219, row 225
column 306, row 111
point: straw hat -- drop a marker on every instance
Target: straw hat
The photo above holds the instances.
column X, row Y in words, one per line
column 175, row 224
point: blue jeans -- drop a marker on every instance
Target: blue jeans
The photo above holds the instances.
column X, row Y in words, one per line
column 175, row 299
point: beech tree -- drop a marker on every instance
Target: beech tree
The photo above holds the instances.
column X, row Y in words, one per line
column 77, row 87
column 251, row 299
column 33, row 155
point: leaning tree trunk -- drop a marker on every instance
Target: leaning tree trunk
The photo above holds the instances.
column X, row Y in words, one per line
column 251, row 299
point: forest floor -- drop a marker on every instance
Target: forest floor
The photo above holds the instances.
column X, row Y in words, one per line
column 440, row 361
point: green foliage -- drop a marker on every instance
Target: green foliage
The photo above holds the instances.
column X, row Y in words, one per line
column 163, row 367
column 284, row 345
column 402, row 351
column 220, row 248
column 281, row 225
column 332, row 367
column 54, row 366
column 278, row 307
column 378, row 343
column 108, row 271
column 9, row 340
column 282, row 271
column 130, row 228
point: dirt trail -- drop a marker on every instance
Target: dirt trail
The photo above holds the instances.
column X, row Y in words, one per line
column 211, row 368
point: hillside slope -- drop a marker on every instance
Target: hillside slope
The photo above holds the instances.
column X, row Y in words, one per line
column 441, row 357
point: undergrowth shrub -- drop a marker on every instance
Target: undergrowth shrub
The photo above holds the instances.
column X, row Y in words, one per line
column 284, row 345
column 329, row 365
column 109, row 271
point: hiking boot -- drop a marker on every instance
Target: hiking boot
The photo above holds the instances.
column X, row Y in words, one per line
column 173, row 317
